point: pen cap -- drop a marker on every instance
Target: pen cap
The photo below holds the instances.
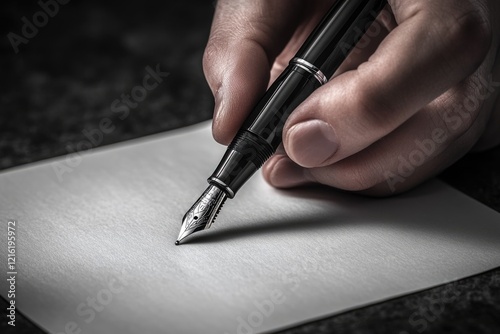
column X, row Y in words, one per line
column 338, row 32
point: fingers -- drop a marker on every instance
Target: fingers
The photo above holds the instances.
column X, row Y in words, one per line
column 368, row 44
column 245, row 38
column 311, row 13
column 430, row 141
column 491, row 135
column 281, row 172
column 285, row 173
column 425, row 55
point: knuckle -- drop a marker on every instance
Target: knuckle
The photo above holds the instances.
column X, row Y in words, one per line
column 212, row 53
column 475, row 31
column 459, row 112
column 377, row 115
column 469, row 33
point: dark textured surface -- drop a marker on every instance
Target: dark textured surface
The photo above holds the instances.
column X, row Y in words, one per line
column 65, row 79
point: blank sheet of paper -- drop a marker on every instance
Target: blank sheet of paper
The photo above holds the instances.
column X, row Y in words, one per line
column 95, row 250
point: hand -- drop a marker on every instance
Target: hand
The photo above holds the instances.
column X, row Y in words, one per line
column 417, row 93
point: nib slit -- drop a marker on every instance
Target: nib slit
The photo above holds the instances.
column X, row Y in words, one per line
column 203, row 212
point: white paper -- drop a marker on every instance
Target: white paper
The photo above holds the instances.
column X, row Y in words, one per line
column 96, row 251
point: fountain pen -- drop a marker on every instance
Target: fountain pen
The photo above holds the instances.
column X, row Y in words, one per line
column 261, row 133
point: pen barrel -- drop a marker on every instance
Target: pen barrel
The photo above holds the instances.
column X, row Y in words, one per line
column 334, row 37
column 261, row 133
column 319, row 57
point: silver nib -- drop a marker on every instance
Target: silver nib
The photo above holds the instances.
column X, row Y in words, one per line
column 203, row 212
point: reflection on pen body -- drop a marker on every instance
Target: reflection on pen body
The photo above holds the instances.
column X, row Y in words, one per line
column 261, row 133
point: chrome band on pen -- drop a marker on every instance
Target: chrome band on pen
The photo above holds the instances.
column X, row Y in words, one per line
column 215, row 181
column 261, row 133
column 316, row 72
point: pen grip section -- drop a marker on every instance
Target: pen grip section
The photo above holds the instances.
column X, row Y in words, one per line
column 262, row 131
column 246, row 154
column 268, row 117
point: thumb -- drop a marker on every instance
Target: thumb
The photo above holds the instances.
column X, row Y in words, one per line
column 413, row 66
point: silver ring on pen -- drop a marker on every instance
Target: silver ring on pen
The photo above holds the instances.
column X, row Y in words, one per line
column 304, row 64
column 219, row 183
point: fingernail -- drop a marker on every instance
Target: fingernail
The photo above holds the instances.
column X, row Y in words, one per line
column 311, row 143
column 280, row 150
column 286, row 174
column 218, row 102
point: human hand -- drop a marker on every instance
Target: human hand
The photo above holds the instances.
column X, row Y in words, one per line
column 418, row 92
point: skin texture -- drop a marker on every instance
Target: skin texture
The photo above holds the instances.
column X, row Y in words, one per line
column 418, row 92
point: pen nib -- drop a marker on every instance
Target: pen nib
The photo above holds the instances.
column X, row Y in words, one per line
column 203, row 212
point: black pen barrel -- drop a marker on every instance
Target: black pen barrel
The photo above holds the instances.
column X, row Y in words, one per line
column 339, row 31
column 261, row 134
column 315, row 62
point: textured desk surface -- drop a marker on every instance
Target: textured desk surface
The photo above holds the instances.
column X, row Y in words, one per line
column 65, row 79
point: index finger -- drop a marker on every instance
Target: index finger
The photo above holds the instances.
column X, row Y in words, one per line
column 245, row 38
